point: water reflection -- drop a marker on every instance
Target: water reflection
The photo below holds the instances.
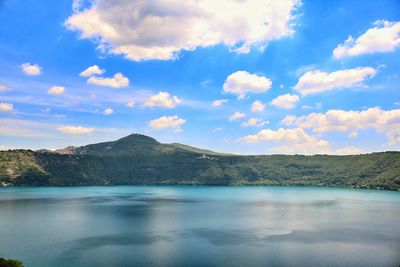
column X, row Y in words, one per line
column 184, row 226
column 81, row 245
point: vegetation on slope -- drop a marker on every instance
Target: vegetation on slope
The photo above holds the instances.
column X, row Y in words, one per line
column 138, row 159
column 10, row 263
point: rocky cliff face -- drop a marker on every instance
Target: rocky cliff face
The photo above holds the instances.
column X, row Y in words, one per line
column 69, row 150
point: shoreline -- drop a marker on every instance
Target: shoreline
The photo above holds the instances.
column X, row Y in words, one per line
column 201, row 185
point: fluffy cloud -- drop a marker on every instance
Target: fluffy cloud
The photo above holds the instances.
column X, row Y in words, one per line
column 75, row 130
column 254, row 122
column 242, row 83
column 162, row 99
column 3, row 88
column 118, row 81
column 145, row 30
column 236, row 116
column 385, row 37
column 387, row 122
column 219, row 102
column 92, row 70
column 257, row 106
column 56, row 90
column 31, row 69
column 167, row 122
column 286, row 101
column 108, row 111
column 296, row 135
column 291, row 141
column 6, row 107
column 317, row 81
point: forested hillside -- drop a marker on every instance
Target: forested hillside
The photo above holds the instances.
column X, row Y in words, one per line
column 138, row 159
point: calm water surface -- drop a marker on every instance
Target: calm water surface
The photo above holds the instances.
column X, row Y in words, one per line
column 200, row 226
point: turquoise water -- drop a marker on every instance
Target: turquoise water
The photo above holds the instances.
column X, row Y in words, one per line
column 199, row 226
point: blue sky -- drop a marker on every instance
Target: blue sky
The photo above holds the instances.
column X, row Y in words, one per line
column 317, row 90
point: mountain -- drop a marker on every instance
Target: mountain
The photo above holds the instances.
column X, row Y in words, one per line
column 139, row 159
column 135, row 145
column 131, row 145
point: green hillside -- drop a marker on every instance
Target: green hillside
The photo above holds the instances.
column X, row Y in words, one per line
column 138, row 159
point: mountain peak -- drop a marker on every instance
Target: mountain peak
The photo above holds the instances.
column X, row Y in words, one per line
column 133, row 144
column 138, row 138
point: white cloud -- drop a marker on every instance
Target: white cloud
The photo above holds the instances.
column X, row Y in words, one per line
column 316, row 106
column 145, row 30
column 281, row 135
column 3, row 148
column 386, row 122
column 291, row 141
column 75, row 130
column 219, row 102
column 167, row 122
column 306, row 107
column 108, row 111
column 254, row 122
column 317, row 81
column 286, row 101
column 131, row 104
column 118, row 81
column 385, row 37
column 353, row 134
column 303, row 69
column 56, row 90
column 4, row 88
column 218, row 129
column 77, row 5
column 236, row 116
column 92, row 70
column 348, row 150
column 242, row 83
column 257, row 106
column 315, row 148
column 162, row 99
column 23, row 128
column 47, row 135
column 31, row 69
column 206, row 83
column 6, row 107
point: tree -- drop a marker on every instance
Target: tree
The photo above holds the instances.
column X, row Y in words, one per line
column 10, row 263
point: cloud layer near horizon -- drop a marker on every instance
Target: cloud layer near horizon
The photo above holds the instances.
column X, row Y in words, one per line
column 382, row 121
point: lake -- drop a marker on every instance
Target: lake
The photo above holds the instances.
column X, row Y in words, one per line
column 199, row 226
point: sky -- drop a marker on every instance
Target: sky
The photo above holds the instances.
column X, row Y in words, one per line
column 247, row 77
